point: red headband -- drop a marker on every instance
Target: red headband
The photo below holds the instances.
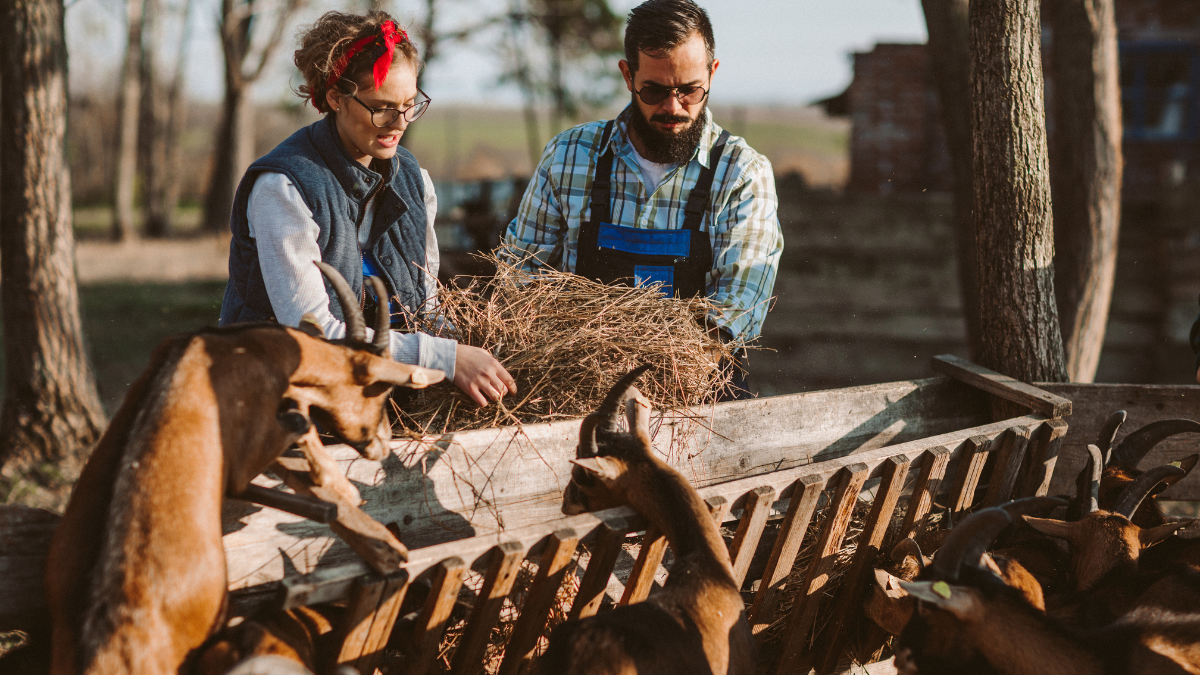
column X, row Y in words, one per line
column 391, row 36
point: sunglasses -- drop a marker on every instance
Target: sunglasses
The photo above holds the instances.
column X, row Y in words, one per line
column 654, row 94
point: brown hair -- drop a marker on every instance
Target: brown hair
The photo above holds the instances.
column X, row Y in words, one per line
column 325, row 43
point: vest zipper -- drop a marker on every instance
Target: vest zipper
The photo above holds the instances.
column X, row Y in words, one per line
column 362, row 255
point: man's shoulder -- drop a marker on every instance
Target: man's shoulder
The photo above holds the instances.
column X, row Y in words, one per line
column 741, row 155
column 588, row 134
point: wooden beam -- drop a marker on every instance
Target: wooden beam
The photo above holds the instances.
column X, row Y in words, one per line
column 972, row 457
column 431, row 622
column 1013, row 446
column 750, row 530
column 1044, row 446
column 924, row 491
column 806, row 493
column 1005, row 387
column 641, row 579
column 605, row 549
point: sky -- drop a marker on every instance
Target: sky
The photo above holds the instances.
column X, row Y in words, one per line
column 772, row 51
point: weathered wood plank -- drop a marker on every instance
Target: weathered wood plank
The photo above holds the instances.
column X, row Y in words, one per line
column 395, row 587
column 481, row 482
column 1145, row 404
column 332, row 583
column 805, row 494
column 556, row 559
column 1038, row 469
column 431, row 622
column 841, row 507
column 750, row 530
column 498, row 581
column 973, row 456
column 1008, row 388
column 641, row 579
column 850, row 597
column 924, row 490
column 719, row 507
column 354, row 634
column 1013, row 446
column 605, row 549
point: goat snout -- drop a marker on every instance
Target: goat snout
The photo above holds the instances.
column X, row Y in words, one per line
column 905, row 665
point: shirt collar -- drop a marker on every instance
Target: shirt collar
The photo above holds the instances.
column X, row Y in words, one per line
column 356, row 179
column 621, row 144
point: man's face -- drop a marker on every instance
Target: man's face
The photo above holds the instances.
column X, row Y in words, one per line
column 686, row 65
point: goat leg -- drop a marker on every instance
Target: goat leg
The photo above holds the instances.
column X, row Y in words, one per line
column 324, row 470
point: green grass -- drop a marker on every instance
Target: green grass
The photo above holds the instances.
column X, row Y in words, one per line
column 123, row 322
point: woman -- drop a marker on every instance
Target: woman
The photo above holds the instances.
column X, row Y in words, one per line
column 343, row 191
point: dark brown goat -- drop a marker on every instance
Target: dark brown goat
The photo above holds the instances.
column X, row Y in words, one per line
column 135, row 577
column 1119, row 467
column 697, row 623
column 971, row 622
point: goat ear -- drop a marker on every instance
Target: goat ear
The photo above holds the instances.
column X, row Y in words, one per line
column 1052, row 527
column 1154, row 535
column 605, row 468
column 310, row 326
column 957, row 600
column 383, row 369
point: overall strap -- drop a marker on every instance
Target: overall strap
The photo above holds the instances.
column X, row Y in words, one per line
column 601, row 201
column 698, row 198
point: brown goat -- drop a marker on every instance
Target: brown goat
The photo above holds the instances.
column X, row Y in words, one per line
column 974, row 623
column 135, row 577
column 1118, row 467
column 697, row 623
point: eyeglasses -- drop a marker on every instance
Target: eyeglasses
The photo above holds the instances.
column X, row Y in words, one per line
column 654, row 94
column 386, row 117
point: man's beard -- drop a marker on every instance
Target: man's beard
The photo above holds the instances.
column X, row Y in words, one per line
column 667, row 147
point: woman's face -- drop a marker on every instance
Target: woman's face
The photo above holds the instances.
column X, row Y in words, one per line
column 362, row 139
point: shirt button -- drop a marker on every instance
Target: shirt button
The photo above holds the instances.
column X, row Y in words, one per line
column 387, row 260
column 396, row 208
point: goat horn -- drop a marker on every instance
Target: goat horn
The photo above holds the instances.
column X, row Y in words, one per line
column 587, row 438
column 1187, row 464
column 608, row 409
column 1095, row 468
column 383, row 318
column 1133, row 448
column 1136, row 492
column 356, row 327
column 906, row 547
column 1108, row 433
column 1032, row 505
column 968, row 541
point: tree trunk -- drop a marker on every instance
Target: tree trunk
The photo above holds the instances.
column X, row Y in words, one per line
column 176, row 120
column 128, row 102
column 1014, row 224
column 1085, row 174
column 153, row 140
column 950, row 56
column 51, row 413
column 229, row 162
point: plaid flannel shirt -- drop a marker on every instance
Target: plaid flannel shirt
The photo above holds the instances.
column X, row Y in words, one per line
column 742, row 219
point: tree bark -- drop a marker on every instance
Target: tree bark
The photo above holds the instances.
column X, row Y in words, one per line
column 128, row 102
column 1015, row 226
column 1085, row 172
column 176, row 120
column 229, row 162
column 51, row 414
column 950, row 56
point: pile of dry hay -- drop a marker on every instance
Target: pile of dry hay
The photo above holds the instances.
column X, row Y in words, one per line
column 566, row 340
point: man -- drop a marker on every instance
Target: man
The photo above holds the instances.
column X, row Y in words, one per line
column 661, row 193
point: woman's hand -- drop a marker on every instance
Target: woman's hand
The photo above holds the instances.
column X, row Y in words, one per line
column 480, row 375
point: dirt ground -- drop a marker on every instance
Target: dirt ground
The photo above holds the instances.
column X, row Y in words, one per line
column 203, row 258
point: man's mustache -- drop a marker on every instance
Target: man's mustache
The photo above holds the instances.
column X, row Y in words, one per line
column 664, row 118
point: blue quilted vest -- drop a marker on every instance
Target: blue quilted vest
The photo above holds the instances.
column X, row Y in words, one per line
column 336, row 189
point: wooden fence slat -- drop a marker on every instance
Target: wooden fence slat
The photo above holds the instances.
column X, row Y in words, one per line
column 750, row 529
column 539, row 600
column 1003, row 386
column 849, row 599
column 354, row 633
column 803, row 503
column 924, row 490
column 1009, row 457
column 719, row 507
column 1046, row 442
column 605, row 550
column 394, row 590
column 849, row 482
column 431, row 622
column 971, row 460
column 641, row 578
column 498, row 581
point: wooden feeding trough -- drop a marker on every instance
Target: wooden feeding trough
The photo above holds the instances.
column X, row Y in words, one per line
column 785, row 475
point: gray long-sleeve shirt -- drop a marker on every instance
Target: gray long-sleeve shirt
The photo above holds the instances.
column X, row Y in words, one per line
column 286, row 237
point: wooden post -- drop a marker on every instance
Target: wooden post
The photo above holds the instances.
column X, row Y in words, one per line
column 1015, row 230
column 535, row 611
column 805, row 494
column 502, row 571
column 924, row 491
column 750, row 529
